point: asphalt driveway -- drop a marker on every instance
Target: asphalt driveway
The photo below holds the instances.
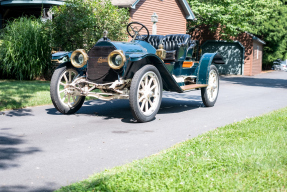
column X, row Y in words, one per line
column 42, row 150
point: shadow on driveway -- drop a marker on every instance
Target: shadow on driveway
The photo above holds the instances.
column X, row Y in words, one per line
column 260, row 82
column 25, row 188
column 18, row 113
column 120, row 109
column 9, row 153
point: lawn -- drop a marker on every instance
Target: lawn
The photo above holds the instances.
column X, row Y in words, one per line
column 20, row 94
column 245, row 156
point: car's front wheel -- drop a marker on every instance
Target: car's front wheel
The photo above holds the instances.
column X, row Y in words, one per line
column 63, row 95
column 146, row 93
column 209, row 94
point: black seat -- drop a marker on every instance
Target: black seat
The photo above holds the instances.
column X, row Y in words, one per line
column 172, row 43
column 154, row 40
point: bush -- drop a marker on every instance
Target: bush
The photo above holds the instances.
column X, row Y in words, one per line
column 25, row 51
column 80, row 23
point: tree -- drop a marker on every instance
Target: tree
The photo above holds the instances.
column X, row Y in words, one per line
column 274, row 32
column 80, row 23
column 263, row 18
column 232, row 16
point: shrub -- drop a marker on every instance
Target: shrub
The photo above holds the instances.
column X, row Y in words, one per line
column 80, row 23
column 25, row 51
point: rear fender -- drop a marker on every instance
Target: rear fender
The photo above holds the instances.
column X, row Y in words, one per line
column 204, row 66
column 135, row 64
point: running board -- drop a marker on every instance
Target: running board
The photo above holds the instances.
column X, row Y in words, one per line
column 193, row 86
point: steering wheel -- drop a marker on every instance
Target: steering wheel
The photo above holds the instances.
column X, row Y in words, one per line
column 134, row 31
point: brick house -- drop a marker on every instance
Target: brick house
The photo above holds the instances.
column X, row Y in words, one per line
column 252, row 50
column 172, row 14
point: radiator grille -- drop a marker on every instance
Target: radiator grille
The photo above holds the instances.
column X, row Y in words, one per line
column 98, row 69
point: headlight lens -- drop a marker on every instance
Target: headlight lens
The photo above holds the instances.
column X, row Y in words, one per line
column 116, row 59
column 79, row 58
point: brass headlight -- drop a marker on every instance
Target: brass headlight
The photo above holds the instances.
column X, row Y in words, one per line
column 79, row 58
column 116, row 59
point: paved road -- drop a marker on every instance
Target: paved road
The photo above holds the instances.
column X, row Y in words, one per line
column 41, row 149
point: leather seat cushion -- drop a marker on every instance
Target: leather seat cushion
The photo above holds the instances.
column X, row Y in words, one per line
column 171, row 42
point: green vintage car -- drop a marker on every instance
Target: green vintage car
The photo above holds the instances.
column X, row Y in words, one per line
column 138, row 70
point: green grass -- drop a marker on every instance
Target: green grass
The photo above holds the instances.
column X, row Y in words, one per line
column 245, row 156
column 21, row 94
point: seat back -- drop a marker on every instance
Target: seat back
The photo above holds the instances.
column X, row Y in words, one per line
column 171, row 41
column 155, row 40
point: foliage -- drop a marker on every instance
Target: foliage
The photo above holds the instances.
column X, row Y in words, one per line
column 25, row 51
column 243, row 156
column 80, row 23
column 266, row 19
column 274, row 32
column 232, row 16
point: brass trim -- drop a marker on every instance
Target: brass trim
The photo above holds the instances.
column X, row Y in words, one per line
column 160, row 52
column 83, row 52
column 116, row 52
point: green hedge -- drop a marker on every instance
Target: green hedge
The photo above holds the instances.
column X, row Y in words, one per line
column 25, row 52
column 27, row 43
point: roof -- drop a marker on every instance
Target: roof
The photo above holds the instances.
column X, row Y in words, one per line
column 125, row 3
column 132, row 4
column 31, row 2
column 256, row 38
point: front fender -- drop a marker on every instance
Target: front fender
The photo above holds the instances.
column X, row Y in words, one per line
column 138, row 61
column 61, row 54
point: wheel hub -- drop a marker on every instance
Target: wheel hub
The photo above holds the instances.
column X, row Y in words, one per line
column 148, row 94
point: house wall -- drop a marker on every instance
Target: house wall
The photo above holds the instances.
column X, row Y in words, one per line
column 204, row 34
column 257, row 58
column 247, row 41
column 171, row 18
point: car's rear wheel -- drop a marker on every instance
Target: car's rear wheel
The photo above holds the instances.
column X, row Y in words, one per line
column 146, row 93
column 209, row 94
column 63, row 95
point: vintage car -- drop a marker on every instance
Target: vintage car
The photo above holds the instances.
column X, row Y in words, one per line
column 138, row 70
